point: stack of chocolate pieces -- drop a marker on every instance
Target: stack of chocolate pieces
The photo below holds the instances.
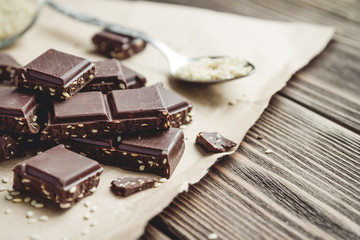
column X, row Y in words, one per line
column 98, row 111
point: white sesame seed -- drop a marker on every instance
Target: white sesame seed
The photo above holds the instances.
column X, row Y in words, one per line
column 33, row 203
column 17, row 200
column 94, row 130
column 182, row 127
column 87, row 216
column 15, row 193
column 162, row 180
column 29, row 214
column 35, row 237
column 7, row 211
column 8, row 197
column 43, row 218
column 32, row 220
column 39, row 205
column 27, row 199
column 93, row 209
column 156, row 185
column 85, row 232
column 5, row 180
column 142, row 167
column 65, row 205
column 93, row 189
column 73, row 189
column 2, row 189
column 93, row 223
column 212, row 236
column 268, row 151
column 87, row 203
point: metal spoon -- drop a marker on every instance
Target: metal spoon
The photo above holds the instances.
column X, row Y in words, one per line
column 176, row 60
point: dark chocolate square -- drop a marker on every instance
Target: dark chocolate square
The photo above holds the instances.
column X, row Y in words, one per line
column 59, row 175
column 57, row 74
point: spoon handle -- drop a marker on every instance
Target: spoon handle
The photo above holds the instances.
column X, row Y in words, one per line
column 167, row 51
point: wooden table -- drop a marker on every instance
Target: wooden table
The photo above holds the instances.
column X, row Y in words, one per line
column 309, row 186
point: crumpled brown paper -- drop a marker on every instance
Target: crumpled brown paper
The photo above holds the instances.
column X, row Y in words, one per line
column 277, row 49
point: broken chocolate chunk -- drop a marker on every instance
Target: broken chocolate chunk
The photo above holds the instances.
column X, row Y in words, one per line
column 8, row 68
column 214, row 142
column 117, row 45
column 130, row 185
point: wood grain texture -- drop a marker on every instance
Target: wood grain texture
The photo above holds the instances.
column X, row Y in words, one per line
column 309, row 186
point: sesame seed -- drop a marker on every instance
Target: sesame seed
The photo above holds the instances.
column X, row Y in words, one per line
column 7, row 211
column 118, row 139
column 162, row 180
column 65, row 205
column 182, row 127
column 65, row 94
column 122, row 86
column 93, row 209
column 94, row 223
column 80, row 125
column 87, row 216
column 93, row 189
column 15, row 193
column 94, row 130
column 35, row 237
column 5, row 180
column 72, row 190
column 156, row 185
column 32, row 220
column 2, row 189
column 17, row 200
column 85, row 232
column 268, row 151
column 39, row 205
column 52, row 90
column 27, row 199
column 164, row 161
column 43, row 218
column 212, row 236
column 142, row 167
column 33, row 203
column 87, row 203
column 25, row 180
column 29, row 214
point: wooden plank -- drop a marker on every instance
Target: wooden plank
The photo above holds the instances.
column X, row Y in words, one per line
column 348, row 30
column 309, row 187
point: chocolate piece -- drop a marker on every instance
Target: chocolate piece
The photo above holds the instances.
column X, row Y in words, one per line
column 157, row 153
column 18, row 111
column 59, row 175
column 214, row 142
column 96, row 114
column 12, row 144
column 8, row 146
column 117, row 45
column 177, row 106
column 108, row 76
column 57, row 74
column 8, row 68
column 133, row 78
column 130, row 185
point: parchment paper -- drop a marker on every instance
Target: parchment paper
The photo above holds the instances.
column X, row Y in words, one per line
column 277, row 49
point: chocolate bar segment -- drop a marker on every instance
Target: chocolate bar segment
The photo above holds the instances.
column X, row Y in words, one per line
column 214, row 142
column 18, row 111
column 12, row 144
column 133, row 78
column 177, row 106
column 108, row 76
column 130, row 185
column 95, row 114
column 8, row 68
column 59, row 175
column 57, row 74
column 116, row 45
column 157, row 153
